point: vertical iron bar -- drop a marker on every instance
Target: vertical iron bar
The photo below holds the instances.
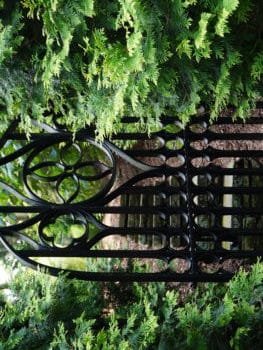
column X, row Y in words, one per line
column 190, row 226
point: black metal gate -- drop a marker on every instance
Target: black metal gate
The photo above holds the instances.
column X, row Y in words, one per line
column 185, row 204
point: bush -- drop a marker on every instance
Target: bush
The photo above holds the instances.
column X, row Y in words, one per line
column 91, row 61
column 50, row 313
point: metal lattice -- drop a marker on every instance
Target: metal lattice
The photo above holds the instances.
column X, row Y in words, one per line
column 185, row 204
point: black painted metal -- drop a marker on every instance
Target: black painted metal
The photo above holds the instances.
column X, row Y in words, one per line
column 186, row 203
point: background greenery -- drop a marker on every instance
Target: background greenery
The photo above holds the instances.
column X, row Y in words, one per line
column 42, row 312
column 92, row 61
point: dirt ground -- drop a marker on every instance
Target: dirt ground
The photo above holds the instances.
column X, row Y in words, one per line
column 125, row 172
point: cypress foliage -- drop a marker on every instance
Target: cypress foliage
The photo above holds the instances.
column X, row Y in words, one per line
column 94, row 61
column 45, row 313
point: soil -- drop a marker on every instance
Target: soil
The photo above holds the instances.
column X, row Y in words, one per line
column 126, row 171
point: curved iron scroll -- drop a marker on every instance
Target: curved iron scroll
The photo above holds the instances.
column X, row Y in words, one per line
column 185, row 204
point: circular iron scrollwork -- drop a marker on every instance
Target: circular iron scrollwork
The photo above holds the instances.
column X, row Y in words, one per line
column 69, row 172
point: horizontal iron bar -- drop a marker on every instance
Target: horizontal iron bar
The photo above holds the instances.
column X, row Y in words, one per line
column 47, row 137
column 163, row 134
column 215, row 136
column 215, row 153
column 227, row 120
column 158, row 210
column 224, row 190
column 221, row 232
column 134, row 230
column 229, row 254
column 96, row 209
column 155, row 152
column 27, row 209
column 228, row 210
column 165, row 276
column 216, row 170
column 161, row 254
column 162, row 189
column 85, row 253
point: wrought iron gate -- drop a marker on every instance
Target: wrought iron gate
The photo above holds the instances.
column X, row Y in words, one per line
column 185, row 204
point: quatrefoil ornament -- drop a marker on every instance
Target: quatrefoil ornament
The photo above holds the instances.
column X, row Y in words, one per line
column 69, row 172
column 64, row 229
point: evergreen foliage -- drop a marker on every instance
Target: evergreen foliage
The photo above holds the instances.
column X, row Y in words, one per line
column 49, row 313
column 93, row 61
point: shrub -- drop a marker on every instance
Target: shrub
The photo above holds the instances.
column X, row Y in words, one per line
column 91, row 61
column 50, row 313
